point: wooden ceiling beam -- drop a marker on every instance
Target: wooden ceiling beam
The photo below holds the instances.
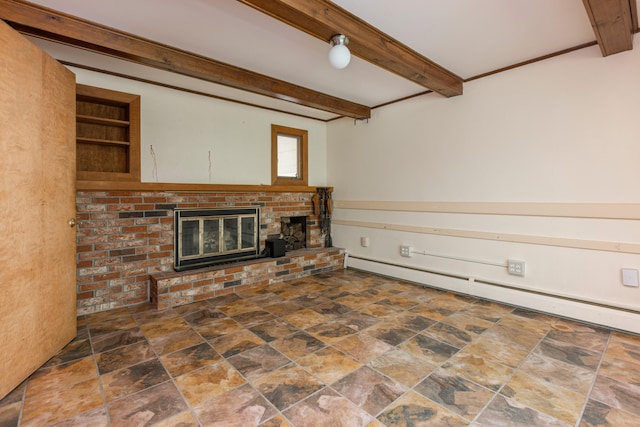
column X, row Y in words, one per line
column 612, row 22
column 55, row 26
column 324, row 19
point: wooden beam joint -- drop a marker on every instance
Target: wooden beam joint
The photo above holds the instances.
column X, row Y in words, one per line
column 323, row 19
column 58, row 27
column 612, row 24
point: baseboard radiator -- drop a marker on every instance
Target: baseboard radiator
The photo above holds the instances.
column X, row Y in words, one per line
column 611, row 315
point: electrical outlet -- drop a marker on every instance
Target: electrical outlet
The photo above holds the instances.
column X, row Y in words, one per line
column 405, row 251
column 630, row 277
column 515, row 267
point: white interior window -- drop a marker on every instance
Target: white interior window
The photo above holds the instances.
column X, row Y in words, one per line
column 288, row 156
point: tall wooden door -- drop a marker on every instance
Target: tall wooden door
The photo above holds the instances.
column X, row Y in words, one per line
column 37, row 197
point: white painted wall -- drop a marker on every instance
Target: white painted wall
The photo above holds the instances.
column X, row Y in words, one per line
column 183, row 128
column 562, row 130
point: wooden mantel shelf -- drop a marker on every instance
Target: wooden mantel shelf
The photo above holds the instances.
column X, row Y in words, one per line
column 165, row 186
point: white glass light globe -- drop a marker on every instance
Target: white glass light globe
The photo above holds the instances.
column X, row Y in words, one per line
column 339, row 56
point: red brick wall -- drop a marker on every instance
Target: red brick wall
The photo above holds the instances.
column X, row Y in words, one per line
column 124, row 236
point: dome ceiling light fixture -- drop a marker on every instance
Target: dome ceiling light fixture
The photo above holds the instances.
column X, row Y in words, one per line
column 339, row 55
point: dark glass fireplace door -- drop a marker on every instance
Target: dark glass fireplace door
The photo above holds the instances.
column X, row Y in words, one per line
column 208, row 239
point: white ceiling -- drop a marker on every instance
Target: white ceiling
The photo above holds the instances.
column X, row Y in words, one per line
column 467, row 37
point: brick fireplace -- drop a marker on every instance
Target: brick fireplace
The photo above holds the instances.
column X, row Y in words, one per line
column 125, row 237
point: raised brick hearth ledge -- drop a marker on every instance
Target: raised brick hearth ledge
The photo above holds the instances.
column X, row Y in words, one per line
column 172, row 289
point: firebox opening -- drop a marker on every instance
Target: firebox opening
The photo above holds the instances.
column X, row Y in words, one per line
column 293, row 230
column 205, row 237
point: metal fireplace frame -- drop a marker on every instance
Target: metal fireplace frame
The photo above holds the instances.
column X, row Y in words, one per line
column 223, row 255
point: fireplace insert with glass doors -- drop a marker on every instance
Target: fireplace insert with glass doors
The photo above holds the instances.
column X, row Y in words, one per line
column 206, row 237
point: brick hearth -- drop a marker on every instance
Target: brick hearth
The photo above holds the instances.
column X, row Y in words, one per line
column 124, row 237
column 177, row 288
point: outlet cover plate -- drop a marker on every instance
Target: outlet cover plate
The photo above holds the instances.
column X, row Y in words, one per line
column 630, row 277
column 515, row 267
column 405, row 251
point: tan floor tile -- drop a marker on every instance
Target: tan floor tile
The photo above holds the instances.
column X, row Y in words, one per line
column 208, row 382
column 162, row 327
column 106, row 326
column 449, row 360
column 434, row 351
column 108, row 315
column 450, row 334
column 369, row 389
column 204, row 315
column 398, row 302
column 273, row 329
column 597, row 414
column 390, row 333
column 580, row 334
column 432, row 311
column 406, row 368
column 53, row 406
column 524, row 340
column 189, row 359
column 383, row 311
column 487, row 373
column 329, row 364
column 355, row 301
column 569, row 353
column 455, row 393
column 132, row 379
column 240, row 407
column 175, row 341
column 524, row 324
column 217, row 328
column 421, row 411
column 550, row 399
column 559, row 373
column 236, row 342
column 621, row 370
column 147, row 407
column 283, row 308
column 61, row 376
column 503, row 411
column 330, row 332
column 327, row 408
column 305, row 318
column 497, row 351
column 95, row 418
column 297, row 345
column 623, row 350
column 487, row 310
column 468, row 323
column 183, row 419
column 277, row 421
column 412, row 321
column 258, row 361
column 10, row 414
column 253, row 318
column 124, row 356
column 632, row 339
column 238, row 307
column 109, row 341
column 617, row 394
column 286, row 386
column 363, row 347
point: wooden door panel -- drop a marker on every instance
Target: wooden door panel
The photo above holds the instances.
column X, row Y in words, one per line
column 37, row 195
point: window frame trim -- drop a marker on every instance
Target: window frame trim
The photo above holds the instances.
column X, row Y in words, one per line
column 303, row 157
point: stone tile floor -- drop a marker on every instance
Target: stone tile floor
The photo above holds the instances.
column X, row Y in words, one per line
column 342, row 349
